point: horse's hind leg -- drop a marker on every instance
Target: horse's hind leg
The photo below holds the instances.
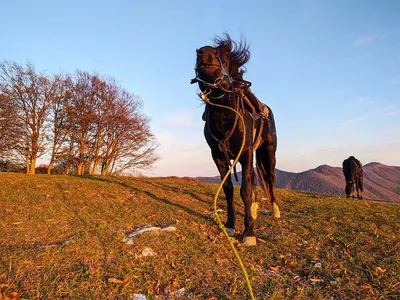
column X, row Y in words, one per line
column 360, row 187
column 266, row 161
column 223, row 168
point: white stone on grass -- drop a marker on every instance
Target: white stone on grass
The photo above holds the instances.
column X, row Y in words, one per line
column 147, row 251
column 138, row 297
column 131, row 235
column 169, row 229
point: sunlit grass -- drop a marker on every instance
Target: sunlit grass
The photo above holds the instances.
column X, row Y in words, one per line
column 62, row 237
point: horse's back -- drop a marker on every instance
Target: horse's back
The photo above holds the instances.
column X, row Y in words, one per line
column 269, row 127
column 351, row 169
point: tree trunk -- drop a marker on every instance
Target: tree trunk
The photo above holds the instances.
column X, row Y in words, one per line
column 32, row 166
column 105, row 167
column 50, row 167
column 27, row 164
column 80, row 169
column 110, row 172
column 93, row 170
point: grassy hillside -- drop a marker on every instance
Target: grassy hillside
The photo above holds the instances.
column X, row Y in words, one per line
column 62, row 237
column 381, row 182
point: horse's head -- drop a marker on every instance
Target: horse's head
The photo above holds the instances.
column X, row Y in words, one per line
column 212, row 65
column 217, row 65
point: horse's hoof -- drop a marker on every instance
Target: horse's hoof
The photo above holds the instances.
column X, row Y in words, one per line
column 230, row 231
column 275, row 211
column 249, row 241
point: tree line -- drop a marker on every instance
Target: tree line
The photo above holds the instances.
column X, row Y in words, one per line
column 81, row 122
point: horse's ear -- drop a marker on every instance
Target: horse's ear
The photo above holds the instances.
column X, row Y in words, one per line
column 199, row 51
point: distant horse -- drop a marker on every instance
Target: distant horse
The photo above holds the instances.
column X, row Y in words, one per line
column 353, row 174
column 219, row 75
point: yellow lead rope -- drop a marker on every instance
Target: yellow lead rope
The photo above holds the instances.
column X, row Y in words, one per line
column 220, row 224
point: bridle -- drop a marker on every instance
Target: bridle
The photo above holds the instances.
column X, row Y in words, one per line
column 217, row 84
column 206, row 96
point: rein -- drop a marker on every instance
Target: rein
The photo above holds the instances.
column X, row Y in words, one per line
column 217, row 84
column 222, row 144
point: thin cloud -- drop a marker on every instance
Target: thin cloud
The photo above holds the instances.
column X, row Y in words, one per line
column 372, row 115
column 370, row 38
column 365, row 40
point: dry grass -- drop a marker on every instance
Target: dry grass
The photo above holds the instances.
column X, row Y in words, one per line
column 62, row 237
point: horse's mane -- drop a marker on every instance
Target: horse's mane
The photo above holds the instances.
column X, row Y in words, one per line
column 239, row 52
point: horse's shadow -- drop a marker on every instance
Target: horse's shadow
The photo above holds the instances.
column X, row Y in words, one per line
column 169, row 188
column 152, row 195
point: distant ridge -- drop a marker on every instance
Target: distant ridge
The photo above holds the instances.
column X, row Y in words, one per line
column 381, row 182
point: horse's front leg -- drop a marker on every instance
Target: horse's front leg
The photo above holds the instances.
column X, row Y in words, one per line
column 248, row 197
column 223, row 168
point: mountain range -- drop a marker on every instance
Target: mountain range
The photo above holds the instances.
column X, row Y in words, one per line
column 381, row 182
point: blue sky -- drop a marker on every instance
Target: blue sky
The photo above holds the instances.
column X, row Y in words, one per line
column 330, row 70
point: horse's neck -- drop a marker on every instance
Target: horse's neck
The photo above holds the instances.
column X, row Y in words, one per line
column 222, row 119
column 227, row 101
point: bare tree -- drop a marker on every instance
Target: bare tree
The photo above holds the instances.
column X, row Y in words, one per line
column 30, row 94
column 59, row 125
column 4, row 124
column 109, row 130
column 129, row 142
column 8, row 126
column 85, row 122
column 81, row 115
column 106, row 97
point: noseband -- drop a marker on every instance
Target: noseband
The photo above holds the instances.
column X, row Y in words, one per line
column 217, row 82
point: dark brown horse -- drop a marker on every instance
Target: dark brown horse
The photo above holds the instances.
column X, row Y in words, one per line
column 353, row 174
column 219, row 75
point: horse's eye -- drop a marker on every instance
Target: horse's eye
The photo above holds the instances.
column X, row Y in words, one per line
column 199, row 51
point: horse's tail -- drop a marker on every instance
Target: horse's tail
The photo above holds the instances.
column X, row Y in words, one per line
column 265, row 164
column 261, row 177
column 266, row 176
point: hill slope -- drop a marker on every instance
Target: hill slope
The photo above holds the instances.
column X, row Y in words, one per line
column 63, row 237
column 381, row 182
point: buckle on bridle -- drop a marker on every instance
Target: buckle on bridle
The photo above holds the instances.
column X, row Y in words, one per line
column 218, row 81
